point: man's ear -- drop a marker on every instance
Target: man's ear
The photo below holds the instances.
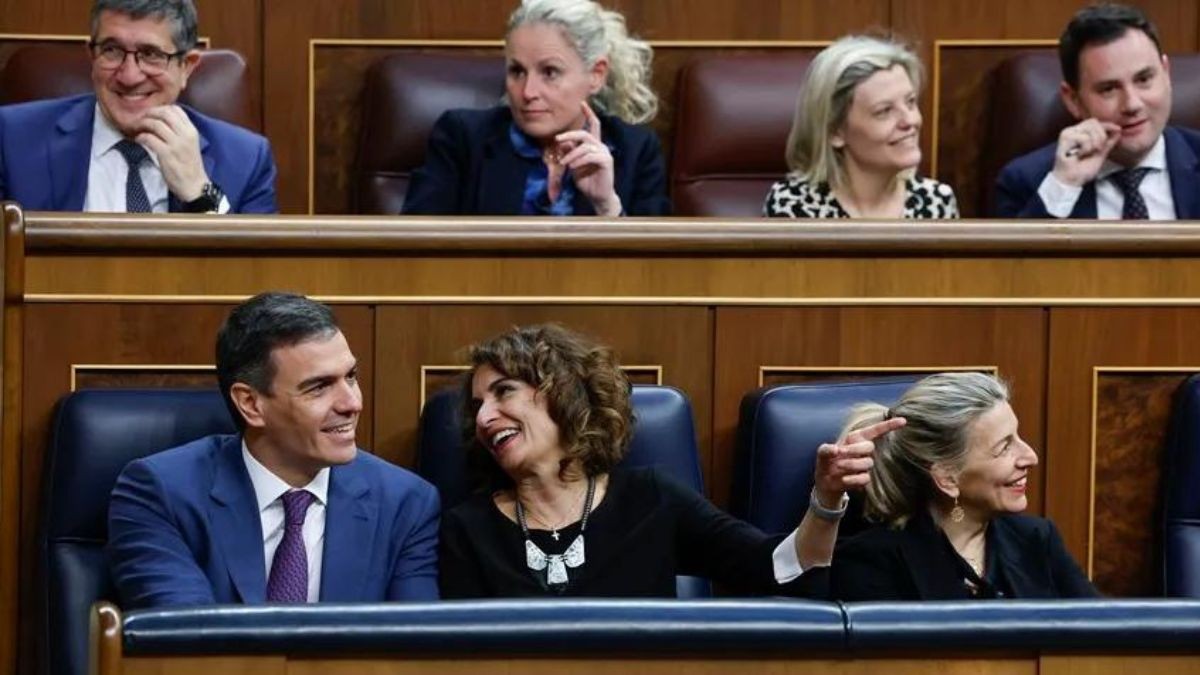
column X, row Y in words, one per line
column 188, row 62
column 1070, row 99
column 248, row 401
column 945, row 479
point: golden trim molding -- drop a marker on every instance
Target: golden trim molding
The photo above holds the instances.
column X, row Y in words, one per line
column 938, row 45
column 1097, row 371
column 77, row 368
column 882, row 371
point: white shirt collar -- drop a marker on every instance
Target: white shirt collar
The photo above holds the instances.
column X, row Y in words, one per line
column 105, row 136
column 268, row 487
column 1155, row 159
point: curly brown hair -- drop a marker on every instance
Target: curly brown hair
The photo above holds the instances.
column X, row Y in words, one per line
column 587, row 395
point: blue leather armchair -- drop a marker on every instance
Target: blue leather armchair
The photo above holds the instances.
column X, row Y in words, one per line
column 1181, row 504
column 664, row 437
column 779, row 431
column 95, row 434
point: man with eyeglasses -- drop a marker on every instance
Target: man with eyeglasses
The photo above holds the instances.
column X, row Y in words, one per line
column 129, row 147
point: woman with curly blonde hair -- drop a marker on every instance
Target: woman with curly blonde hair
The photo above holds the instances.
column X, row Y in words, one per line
column 569, row 141
column 550, row 413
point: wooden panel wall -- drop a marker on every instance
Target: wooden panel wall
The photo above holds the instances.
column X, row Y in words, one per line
column 275, row 35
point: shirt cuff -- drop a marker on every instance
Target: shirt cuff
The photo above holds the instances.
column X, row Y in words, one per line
column 785, row 561
column 1058, row 197
column 223, row 207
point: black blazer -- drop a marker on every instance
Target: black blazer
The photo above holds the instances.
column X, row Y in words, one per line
column 917, row 563
column 471, row 168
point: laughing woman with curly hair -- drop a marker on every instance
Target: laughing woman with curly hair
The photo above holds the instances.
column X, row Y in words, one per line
column 548, row 412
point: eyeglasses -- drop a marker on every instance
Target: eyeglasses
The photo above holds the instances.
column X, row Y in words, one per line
column 151, row 60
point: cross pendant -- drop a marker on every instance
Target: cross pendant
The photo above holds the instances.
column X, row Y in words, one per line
column 554, row 534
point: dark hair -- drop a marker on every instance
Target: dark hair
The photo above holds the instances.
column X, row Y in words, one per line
column 256, row 328
column 587, row 395
column 180, row 13
column 1099, row 25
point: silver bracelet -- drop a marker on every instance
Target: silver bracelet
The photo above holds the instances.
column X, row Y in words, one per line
column 830, row 515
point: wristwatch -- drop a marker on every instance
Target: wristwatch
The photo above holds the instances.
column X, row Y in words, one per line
column 819, row 510
column 208, row 201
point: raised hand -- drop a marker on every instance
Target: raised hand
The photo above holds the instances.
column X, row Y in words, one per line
column 591, row 164
column 170, row 135
column 846, row 465
column 1082, row 149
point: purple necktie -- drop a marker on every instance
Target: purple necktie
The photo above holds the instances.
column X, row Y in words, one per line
column 289, row 569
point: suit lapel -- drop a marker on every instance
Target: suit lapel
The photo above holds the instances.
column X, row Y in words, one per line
column 502, row 174
column 236, row 523
column 70, row 155
column 350, row 517
column 1182, row 170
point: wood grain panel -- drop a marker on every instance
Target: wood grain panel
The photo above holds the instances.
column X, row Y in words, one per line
column 1093, row 664
column 1132, row 411
column 1011, row 339
column 701, row 280
column 144, row 378
column 677, row 338
column 159, row 335
column 1082, row 340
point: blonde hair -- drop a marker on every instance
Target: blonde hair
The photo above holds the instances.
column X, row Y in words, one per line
column 940, row 410
column 825, row 98
column 594, row 32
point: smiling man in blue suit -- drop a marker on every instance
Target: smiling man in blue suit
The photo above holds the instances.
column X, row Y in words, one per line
column 129, row 147
column 288, row 511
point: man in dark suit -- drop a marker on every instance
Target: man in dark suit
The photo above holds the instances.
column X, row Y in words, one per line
column 129, row 146
column 288, row 511
column 1120, row 160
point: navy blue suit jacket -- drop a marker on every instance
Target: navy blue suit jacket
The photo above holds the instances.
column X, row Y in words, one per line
column 45, row 151
column 184, row 529
column 1017, row 186
column 471, row 168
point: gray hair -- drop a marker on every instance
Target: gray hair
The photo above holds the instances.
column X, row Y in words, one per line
column 825, row 98
column 181, row 14
column 940, row 410
column 594, row 32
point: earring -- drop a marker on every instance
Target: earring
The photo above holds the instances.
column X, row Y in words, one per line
column 957, row 514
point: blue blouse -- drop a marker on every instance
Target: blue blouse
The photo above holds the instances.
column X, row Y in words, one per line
column 537, row 199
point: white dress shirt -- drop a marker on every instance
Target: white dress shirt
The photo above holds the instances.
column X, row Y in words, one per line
column 269, row 490
column 1155, row 188
column 108, row 171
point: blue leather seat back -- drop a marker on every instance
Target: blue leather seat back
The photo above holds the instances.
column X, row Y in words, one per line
column 779, row 431
column 664, row 437
column 96, row 433
column 1181, row 504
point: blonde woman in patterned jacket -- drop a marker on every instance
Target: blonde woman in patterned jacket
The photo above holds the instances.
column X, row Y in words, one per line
column 855, row 142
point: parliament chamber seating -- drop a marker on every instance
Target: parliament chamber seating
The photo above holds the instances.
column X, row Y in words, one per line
column 733, row 115
column 1027, row 86
column 779, row 431
column 95, row 434
column 664, row 437
column 402, row 98
column 218, row 87
column 1181, row 503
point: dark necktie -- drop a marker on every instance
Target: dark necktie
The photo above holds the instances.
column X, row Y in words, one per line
column 136, row 200
column 289, row 570
column 1129, row 180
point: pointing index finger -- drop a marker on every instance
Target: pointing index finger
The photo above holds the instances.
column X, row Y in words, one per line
column 592, row 121
column 874, row 431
